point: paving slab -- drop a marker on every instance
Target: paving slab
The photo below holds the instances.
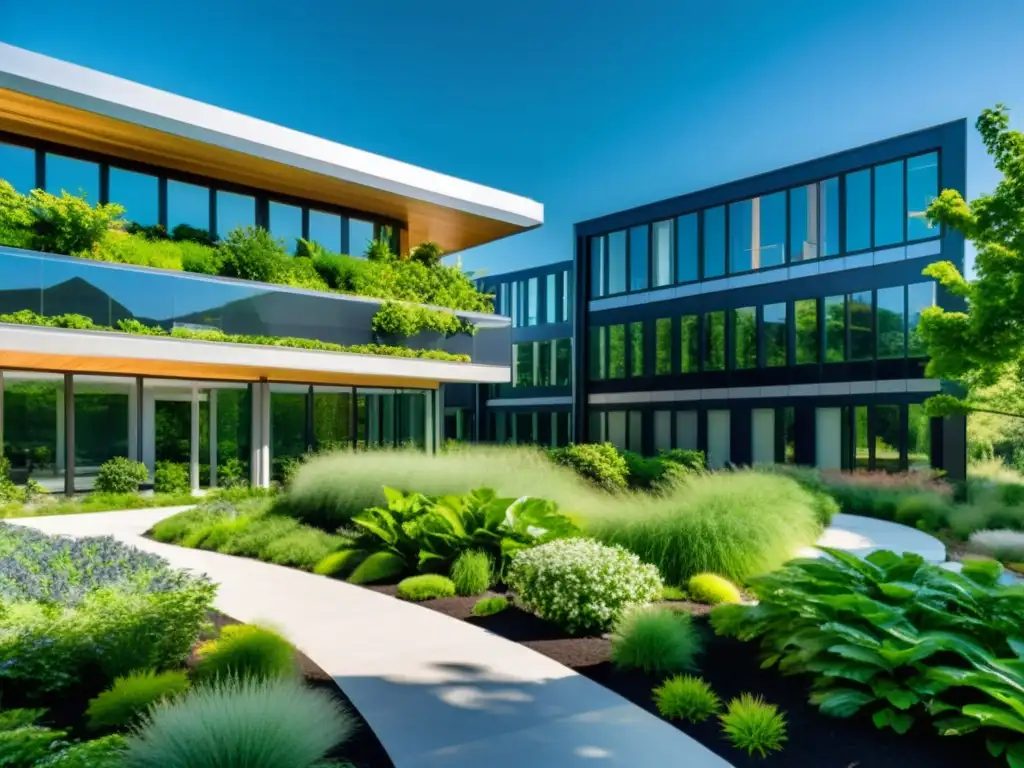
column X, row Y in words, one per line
column 864, row 535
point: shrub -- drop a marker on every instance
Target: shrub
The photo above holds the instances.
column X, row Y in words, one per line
column 302, row 548
column 377, row 567
column 987, row 514
column 753, row 725
column 171, row 477
column 340, row 564
column 254, row 539
column 16, row 219
column 691, row 460
column 131, row 696
column 669, row 592
column 426, row 586
column 685, row 697
column 643, row 474
column 25, row 746
column 655, row 640
column 927, row 511
column 105, row 752
column 199, row 259
column 245, row 650
column 188, row 233
column 580, row 584
column 489, row 606
column 68, row 224
column 1007, row 546
column 121, row 475
column 472, row 573
column 251, row 723
column 601, row 464
column 712, row 589
column 252, row 253
column 736, row 524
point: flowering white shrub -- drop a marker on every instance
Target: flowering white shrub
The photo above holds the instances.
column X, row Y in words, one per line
column 581, row 584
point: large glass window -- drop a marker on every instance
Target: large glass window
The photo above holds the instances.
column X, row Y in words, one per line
column 861, row 444
column 757, row 232
column 744, row 333
column 803, row 223
column 597, row 275
column 33, row 419
column 638, row 257
column 636, row 349
column 550, row 305
column 360, row 235
column 890, row 322
column 76, row 177
column 532, row 300
column 662, row 253
column 234, row 212
column 889, row 204
column 919, row 438
column 636, row 434
column 139, row 193
column 565, row 295
column 742, row 236
column 858, row 210
column 835, row 329
column 286, row 224
column 775, row 334
column 325, row 228
column 617, row 262
column 616, row 351
column 18, row 167
column 686, row 248
column 187, row 204
column 524, row 365
column 596, row 354
column 714, row 242
column 828, row 216
column 101, row 424
column 920, row 296
column 516, row 314
column 689, row 343
column 772, row 239
column 663, row 346
column 887, row 438
column 617, row 429
column 332, row 417
column 861, row 336
column 714, row 341
column 922, row 189
column 805, row 315
column 563, row 362
column 544, row 364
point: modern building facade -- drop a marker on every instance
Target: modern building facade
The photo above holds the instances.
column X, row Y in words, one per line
column 72, row 398
column 536, row 405
column 774, row 319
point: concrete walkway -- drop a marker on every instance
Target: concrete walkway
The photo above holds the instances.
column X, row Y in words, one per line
column 436, row 691
column 864, row 535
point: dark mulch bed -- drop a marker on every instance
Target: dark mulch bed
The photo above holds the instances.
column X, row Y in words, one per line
column 363, row 750
column 732, row 668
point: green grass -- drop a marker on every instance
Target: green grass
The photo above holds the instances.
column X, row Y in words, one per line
column 737, row 524
column 656, row 640
column 248, row 651
column 489, row 606
column 341, row 563
column 685, row 697
column 472, row 573
column 95, row 502
column 132, row 696
column 753, row 725
column 426, row 586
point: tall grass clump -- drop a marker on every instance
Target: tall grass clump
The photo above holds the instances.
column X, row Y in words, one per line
column 735, row 524
column 655, row 640
column 1007, row 546
column 329, row 490
column 236, row 722
column 245, row 650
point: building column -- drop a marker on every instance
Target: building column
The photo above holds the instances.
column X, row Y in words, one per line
column 265, row 435
column 58, row 457
column 133, row 422
column 211, row 399
column 68, row 434
column 193, row 441
column 255, row 434
column 149, row 431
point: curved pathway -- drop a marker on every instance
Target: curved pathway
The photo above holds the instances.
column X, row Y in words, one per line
column 864, row 535
column 437, row 692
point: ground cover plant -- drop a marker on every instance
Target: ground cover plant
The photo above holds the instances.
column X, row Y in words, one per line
column 712, row 589
column 685, row 697
column 132, row 695
column 754, row 725
column 246, row 651
column 426, row 586
column 656, row 640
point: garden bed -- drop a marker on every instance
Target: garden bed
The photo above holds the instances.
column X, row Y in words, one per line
column 731, row 667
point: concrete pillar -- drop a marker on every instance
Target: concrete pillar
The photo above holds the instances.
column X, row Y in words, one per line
column 193, row 441
column 69, row 434
column 133, row 422
column 211, row 399
column 255, row 435
column 59, row 452
column 149, row 431
column 265, row 434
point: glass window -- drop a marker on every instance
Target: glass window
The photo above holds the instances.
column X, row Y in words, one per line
column 563, row 362
column 617, row 429
column 861, row 444
column 835, row 329
column 596, row 427
column 504, row 307
column 922, row 188
column 805, row 313
column 617, row 262
column 18, row 167
column 775, row 332
column 919, row 439
column 551, row 306
column 714, row 341
column 714, row 242
column 787, row 418
column 890, row 322
column 286, row 224
column 139, row 193
column 187, row 204
column 636, row 434
column 689, row 337
column 686, row 248
column 325, row 228
column 332, row 417
column 544, row 364
column 663, row 346
column 889, row 203
column 858, row 210
column 742, row 239
column 920, row 296
column 598, row 286
column 861, row 336
column 360, row 235
column 524, row 365
column 565, row 295
column 744, row 333
column 76, row 177
column 532, row 289
column 828, row 217
column 636, row 349
column 596, row 353
column 662, row 430
column 803, row 223
column 771, row 219
column 616, row 351
column 887, row 438
column 234, row 212
column 101, row 424
column 639, row 257
column 33, row 416
column 662, row 253
column 515, row 304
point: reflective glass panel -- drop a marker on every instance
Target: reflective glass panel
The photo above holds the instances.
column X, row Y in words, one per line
column 689, row 337
column 636, row 434
column 663, row 346
column 532, row 300
column 544, row 364
column 616, row 351
column 139, row 193
column 686, row 248
column 861, row 444
column 76, row 177
column 18, row 167
column 922, row 188
column 325, row 228
column 639, row 257
column 889, row 204
column 861, row 337
column 563, row 362
column 617, row 429
column 920, row 296
column 550, row 303
column 835, row 329
column 741, row 236
column 714, row 341
column 775, row 334
column 803, row 223
column 714, row 242
column 524, row 365
column 828, row 217
column 234, row 212
column 805, row 314
column 187, row 204
column 596, row 358
column 662, row 253
column 617, row 262
column 744, row 333
column 887, row 438
column 636, row 349
column 890, row 322
column 286, row 224
column 360, row 235
column 101, row 424
column 332, row 417
column 598, row 287
column 858, row 210
column 33, row 406
column 770, row 215
column 919, row 438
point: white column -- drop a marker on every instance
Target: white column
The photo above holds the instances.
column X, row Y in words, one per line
column 265, row 434
column 762, row 429
column 719, row 438
column 133, row 422
column 255, row 435
column 59, row 458
column 431, row 443
column 193, row 441
column 828, row 438
column 149, row 430
column 211, row 399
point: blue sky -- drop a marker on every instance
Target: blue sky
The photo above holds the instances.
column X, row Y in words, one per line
column 587, row 106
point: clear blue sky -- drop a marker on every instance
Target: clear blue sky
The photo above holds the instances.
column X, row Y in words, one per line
column 588, row 106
